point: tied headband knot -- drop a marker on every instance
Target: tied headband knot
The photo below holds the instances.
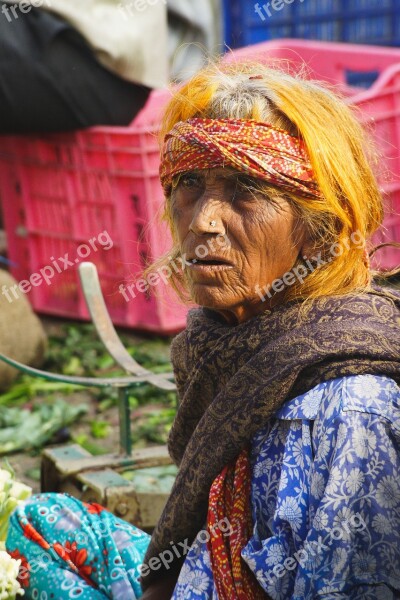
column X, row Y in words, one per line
column 258, row 149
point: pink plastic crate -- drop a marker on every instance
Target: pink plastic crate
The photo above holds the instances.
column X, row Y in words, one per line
column 60, row 191
column 379, row 108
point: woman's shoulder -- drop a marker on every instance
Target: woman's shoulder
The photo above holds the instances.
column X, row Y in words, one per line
column 373, row 394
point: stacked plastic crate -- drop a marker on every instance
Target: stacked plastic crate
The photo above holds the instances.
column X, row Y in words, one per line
column 91, row 195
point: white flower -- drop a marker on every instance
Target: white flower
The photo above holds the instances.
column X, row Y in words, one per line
column 324, row 447
column 318, row 485
column 388, row 492
column 276, row 555
column 363, row 564
column 20, row 491
column 9, row 586
column 262, row 467
column 5, row 477
column 298, row 453
column 364, row 441
column 12, row 493
column 342, row 435
column 199, row 581
column 354, row 481
column 366, row 387
column 310, row 404
column 10, row 487
column 185, row 574
column 381, row 524
column 278, row 588
column 291, row 512
column 320, row 520
column 341, row 523
column 335, row 479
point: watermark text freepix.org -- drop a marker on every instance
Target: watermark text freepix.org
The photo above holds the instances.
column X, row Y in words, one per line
column 166, row 271
column 274, row 5
column 138, row 6
column 300, row 272
column 58, row 265
column 11, row 10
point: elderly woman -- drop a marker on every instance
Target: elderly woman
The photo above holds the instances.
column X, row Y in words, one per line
column 288, row 429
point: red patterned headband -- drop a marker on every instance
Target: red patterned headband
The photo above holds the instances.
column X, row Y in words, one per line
column 258, row 149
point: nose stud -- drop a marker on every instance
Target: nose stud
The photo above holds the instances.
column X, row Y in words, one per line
column 213, row 223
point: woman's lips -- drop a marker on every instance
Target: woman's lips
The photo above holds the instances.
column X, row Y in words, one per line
column 209, row 268
column 209, row 265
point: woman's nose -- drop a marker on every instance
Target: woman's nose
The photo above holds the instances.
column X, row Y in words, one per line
column 207, row 218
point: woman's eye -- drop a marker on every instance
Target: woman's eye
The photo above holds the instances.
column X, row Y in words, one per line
column 247, row 184
column 190, row 181
column 245, row 188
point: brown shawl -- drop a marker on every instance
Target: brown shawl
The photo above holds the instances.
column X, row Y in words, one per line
column 232, row 379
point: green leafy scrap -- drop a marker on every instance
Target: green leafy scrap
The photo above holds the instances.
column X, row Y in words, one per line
column 153, row 427
column 93, row 448
column 99, row 429
column 29, row 387
column 31, row 429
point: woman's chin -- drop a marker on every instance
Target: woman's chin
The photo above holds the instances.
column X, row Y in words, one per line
column 211, row 297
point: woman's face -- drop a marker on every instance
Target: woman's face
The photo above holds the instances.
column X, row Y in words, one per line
column 262, row 240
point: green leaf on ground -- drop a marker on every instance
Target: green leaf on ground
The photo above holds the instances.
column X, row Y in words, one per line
column 92, row 447
column 28, row 429
column 99, row 429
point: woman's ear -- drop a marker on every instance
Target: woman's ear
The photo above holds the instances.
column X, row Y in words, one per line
column 308, row 245
column 308, row 248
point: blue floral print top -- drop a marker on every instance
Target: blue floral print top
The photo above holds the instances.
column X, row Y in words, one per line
column 325, row 498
